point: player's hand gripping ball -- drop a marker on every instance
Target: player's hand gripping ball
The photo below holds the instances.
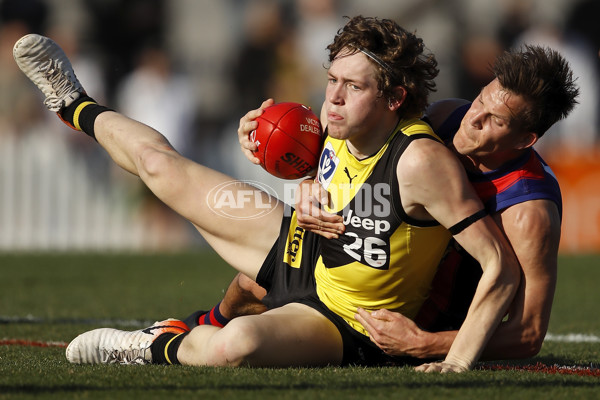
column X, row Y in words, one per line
column 289, row 140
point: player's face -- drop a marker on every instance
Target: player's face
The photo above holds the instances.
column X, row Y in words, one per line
column 489, row 133
column 355, row 108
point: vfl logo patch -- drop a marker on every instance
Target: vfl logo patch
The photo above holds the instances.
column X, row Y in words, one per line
column 327, row 165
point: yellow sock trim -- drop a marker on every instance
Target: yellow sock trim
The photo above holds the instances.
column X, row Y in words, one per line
column 78, row 111
column 167, row 346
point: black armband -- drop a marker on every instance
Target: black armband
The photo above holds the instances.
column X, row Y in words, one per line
column 460, row 226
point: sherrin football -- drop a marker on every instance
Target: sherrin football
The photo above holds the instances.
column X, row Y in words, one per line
column 289, row 140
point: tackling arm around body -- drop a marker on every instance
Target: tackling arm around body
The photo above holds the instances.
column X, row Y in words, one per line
column 433, row 183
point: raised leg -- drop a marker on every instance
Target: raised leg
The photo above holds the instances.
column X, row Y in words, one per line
column 240, row 222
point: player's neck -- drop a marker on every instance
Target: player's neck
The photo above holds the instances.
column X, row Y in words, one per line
column 366, row 145
column 489, row 162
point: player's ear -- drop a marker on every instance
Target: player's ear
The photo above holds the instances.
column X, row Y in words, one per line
column 396, row 101
column 528, row 140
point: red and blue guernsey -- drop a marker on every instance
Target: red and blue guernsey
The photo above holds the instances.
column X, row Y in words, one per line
column 523, row 179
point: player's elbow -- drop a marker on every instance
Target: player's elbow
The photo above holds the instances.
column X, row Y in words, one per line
column 529, row 339
column 534, row 347
column 531, row 344
column 535, row 335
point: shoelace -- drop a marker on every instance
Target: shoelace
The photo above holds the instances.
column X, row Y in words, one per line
column 61, row 81
column 126, row 356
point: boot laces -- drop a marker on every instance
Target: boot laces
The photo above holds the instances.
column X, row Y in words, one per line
column 62, row 82
column 126, row 356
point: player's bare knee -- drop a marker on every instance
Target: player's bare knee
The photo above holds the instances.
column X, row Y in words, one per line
column 153, row 162
column 238, row 342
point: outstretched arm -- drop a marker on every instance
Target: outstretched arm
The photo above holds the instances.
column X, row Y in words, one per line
column 432, row 182
column 495, row 291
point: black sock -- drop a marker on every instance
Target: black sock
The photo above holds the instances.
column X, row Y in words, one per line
column 82, row 113
column 164, row 348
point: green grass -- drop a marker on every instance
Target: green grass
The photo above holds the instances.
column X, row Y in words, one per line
column 66, row 289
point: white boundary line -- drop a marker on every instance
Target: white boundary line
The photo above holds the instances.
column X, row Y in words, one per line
column 30, row 319
column 572, row 338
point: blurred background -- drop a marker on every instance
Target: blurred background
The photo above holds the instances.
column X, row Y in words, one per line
column 192, row 68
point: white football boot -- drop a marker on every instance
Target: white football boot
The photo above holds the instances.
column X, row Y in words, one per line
column 47, row 66
column 112, row 346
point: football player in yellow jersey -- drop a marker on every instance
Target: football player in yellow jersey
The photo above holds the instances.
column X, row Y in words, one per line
column 378, row 81
column 526, row 205
column 514, row 107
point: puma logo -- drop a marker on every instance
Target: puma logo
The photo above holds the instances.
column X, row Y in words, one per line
column 350, row 178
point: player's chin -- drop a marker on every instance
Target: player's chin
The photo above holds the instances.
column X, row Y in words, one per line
column 337, row 131
column 466, row 144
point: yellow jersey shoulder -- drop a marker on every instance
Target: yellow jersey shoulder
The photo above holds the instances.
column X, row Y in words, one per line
column 416, row 126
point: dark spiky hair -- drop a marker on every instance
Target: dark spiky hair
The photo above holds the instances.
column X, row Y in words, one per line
column 544, row 79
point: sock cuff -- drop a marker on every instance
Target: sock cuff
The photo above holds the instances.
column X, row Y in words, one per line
column 164, row 348
column 77, row 112
column 172, row 346
column 215, row 318
column 82, row 113
column 216, row 312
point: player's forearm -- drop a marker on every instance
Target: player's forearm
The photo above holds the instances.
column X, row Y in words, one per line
column 494, row 294
column 433, row 344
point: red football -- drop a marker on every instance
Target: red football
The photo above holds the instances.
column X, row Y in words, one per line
column 289, row 140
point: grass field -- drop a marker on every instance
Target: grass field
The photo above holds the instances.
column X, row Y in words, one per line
column 52, row 298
